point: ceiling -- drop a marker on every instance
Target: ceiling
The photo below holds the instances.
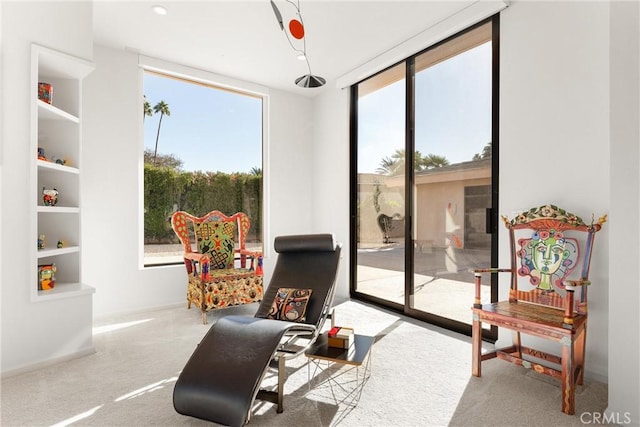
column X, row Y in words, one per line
column 242, row 39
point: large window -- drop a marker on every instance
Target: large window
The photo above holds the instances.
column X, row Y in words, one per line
column 202, row 152
column 425, row 179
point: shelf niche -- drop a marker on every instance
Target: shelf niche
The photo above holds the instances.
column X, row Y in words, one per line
column 56, row 133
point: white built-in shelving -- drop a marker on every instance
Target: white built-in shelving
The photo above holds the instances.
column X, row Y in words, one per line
column 56, row 128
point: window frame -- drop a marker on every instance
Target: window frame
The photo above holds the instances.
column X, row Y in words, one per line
column 214, row 81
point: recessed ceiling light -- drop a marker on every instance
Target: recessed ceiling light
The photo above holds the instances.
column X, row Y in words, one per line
column 159, row 10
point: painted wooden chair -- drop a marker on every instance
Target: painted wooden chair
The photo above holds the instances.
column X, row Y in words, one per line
column 210, row 256
column 550, row 257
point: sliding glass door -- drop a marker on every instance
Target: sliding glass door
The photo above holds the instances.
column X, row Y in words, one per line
column 425, row 150
column 380, row 207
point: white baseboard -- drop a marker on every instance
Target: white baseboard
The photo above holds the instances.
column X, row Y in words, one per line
column 47, row 362
column 141, row 310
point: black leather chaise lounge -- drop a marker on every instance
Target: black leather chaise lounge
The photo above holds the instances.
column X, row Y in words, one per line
column 222, row 378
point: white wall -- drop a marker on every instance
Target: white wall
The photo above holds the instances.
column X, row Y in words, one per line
column 112, row 158
column 33, row 332
column 288, row 169
column 3, row 137
column 112, row 162
column 624, row 293
column 554, row 135
column 554, row 129
column 330, row 186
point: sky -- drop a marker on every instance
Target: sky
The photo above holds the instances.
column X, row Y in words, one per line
column 452, row 108
column 216, row 130
column 208, row 129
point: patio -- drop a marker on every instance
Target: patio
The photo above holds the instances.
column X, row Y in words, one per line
column 443, row 283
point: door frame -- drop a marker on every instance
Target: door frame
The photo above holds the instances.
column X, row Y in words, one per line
column 405, row 309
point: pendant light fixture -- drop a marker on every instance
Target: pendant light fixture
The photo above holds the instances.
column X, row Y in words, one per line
column 297, row 31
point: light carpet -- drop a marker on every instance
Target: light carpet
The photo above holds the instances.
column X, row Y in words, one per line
column 420, row 376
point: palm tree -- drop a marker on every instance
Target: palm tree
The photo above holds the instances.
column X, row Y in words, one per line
column 146, row 109
column 395, row 164
column 388, row 166
column 162, row 108
column 486, row 152
column 431, row 161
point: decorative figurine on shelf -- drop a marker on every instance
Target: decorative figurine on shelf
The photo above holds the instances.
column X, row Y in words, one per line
column 46, row 276
column 42, row 241
column 49, row 197
column 59, row 161
column 61, row 243
column 45, row 92
column 41, row 155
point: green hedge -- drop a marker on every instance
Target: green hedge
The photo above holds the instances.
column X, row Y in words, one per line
column 167, row 190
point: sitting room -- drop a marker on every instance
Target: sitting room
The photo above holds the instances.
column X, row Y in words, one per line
column 107, row 345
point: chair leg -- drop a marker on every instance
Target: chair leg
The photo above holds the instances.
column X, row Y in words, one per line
column 281, row 380
column 517, row 344
column 580, row 347
column 568, row 378
column 203, row 301
column 476, row 346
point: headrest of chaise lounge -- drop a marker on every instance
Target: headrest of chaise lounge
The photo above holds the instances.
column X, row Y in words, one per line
column 305, row 243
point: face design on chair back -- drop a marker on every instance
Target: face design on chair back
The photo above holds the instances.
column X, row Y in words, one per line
column 548, row 257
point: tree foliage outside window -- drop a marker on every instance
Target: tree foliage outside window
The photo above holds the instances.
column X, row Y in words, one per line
column 486, row 153
column 167, row 190
column 395, row 164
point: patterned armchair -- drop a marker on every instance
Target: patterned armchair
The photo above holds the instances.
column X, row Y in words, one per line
column 210, row 256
